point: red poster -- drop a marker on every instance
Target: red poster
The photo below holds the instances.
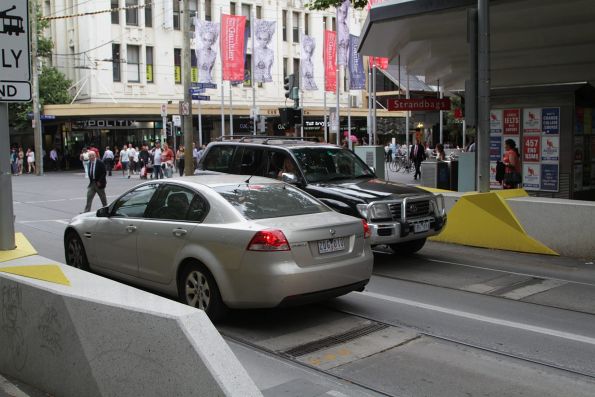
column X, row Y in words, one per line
column 380, row 63
column 330, row 61
column 531, row 149
column 512, row 121
column 232, row 47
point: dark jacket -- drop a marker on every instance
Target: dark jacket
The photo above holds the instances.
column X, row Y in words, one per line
column 421, row 153
column 99, row 178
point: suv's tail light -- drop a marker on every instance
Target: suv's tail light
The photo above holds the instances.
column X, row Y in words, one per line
column 367, row 231
column 269, row 240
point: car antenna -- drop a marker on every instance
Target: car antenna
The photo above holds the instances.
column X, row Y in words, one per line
column 247, row 181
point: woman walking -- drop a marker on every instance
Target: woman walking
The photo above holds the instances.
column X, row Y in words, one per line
column 180, row 160
column 511, row 160
column 30, row 161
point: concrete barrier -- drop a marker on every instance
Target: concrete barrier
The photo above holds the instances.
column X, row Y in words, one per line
column 78, row 334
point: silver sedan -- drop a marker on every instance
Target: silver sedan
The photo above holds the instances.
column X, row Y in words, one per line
column 224, row 241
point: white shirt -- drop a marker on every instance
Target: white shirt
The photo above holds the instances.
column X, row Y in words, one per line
column 124, row 155
column 31, row 157
column 54, row 154
column 195, row 153
column 131, row 153
column 108, row 155
column 157, row 156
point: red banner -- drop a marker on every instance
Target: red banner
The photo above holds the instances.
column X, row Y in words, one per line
column 330, row 61
column 380, row 63
column 232, row 47
column 512, row 121
column 428, row 104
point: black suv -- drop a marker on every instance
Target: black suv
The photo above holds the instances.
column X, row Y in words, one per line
column 400, row 216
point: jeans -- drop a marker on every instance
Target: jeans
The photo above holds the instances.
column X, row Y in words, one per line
column 157, row 171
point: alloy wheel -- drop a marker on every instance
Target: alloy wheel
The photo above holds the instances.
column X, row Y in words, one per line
column 198, row 290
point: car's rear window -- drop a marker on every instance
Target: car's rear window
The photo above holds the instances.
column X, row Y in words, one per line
column 261, row 201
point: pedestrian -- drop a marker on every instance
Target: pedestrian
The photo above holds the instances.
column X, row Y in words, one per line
column 417, row 155
column 157, row 171
column 108, row 160
column 54, row 159
column 440, row 155
column 131, row 152
column 13, row 161
column 144, row 157
column 167, row 160
column 195, row 157
column 84, row 157
column 136, row 159
column 124, row 159
column 512, row 164
column 30, row 160
column 20, row 159
column 180, row 159
column 97, row 181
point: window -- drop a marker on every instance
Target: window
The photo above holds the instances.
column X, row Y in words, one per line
column 307, row 24
column 218, row 158
column 176, row 4
column 177, row 65
column 149, row 57
column 259, row 12
column 249, row 161
column 284, row 25
column 208, row 7
column 131, row 13
column 174, row 202
column 116, row 62
column 194, row 67
column 285, row 67
column 246, row 12
column 232, row 8
column 115, row 14
column 296, row 71
column 148, row 14
column 323, row 165
column 133, row 63
column 296, row 27
column 133, row 204
column 333, row 24
column 248, row 70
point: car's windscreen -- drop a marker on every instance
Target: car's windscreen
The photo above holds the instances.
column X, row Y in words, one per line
column 326, row 164
column 262, row 201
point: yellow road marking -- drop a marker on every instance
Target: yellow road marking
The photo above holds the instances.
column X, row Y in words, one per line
column 51, row 273
column 23, row 248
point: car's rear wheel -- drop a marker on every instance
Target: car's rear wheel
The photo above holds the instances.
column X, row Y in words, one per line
column 408, row 247
column 74, row 251
column 199, row 289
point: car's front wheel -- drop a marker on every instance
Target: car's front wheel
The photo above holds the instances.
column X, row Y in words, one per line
column 199, row 289
column 408, row 247
column 74, row 251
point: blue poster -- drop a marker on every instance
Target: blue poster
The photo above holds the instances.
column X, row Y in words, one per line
column 550, row 121
column 357, row 76
column 495, row 148
column 549, row 177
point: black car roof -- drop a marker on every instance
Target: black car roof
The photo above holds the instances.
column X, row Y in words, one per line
column 272, row 141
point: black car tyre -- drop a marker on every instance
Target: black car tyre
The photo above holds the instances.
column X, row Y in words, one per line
column 74, row 251
column 408, row 247
column 199, row 289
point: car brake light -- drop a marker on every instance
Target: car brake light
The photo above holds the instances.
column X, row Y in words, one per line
column 367, row 232
column 269, row 240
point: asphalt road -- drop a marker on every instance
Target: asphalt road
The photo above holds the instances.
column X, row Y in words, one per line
column 448, row 321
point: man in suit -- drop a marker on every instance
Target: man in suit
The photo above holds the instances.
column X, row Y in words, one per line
column 97, row 181
column 417, row 155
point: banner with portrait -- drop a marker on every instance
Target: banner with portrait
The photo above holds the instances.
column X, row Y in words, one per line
column 264, row 53
column 232, row 46
column 343, row 33
column 357, row 76
column 206, row 34
column 307, row 80
column 330, row 54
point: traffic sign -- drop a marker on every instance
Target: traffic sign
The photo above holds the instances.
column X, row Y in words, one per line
column 41, row 116
column 177, row 119
column 201, row 98
column 204, row 85
column 164, row 110
column 196, row 90
column 15, row 68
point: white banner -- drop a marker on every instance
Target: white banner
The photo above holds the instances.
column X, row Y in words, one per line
column 264, row 55
column 206, row 35
column 307, row 63
column 343, row 33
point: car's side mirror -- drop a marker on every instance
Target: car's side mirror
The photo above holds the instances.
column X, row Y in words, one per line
column 288, row 177
column 102, row 212
column 373, row 169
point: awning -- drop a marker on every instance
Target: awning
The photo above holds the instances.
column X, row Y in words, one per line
column 532, row 41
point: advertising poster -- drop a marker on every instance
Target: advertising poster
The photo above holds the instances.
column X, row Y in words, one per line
column 550, row 148
column 549, row 177
column 495, row 148
column 531, row 152
column 550, row 121
column 232, row 46
column 578, row 177
column 494, row 184
column 588, row 121
column 496, row 122
column 512, row 121
column 329, row 59
column 532, row 121
column 531, row 176
column 579, row 126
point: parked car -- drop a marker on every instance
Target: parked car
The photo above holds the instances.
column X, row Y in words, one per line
column 398, row 215
column 224, row 241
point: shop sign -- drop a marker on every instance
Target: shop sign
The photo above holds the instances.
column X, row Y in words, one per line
column 550, row 120
column 103, row 124
column 496, row 121
column 532, row 120
column 550, row 148
column 531, row 177
column 549, row 177
column 495, row 148
column 531, row 151
column 419, row 104
column 512, row 121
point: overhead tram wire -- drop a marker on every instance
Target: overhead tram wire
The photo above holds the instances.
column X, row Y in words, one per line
column 82, row 14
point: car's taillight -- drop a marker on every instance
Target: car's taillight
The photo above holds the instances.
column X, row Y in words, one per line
column 269, row 240
column 367, row 232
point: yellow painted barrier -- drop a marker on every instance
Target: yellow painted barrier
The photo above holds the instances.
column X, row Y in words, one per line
column 23, row 248
column 51, row 273
column 486, row 220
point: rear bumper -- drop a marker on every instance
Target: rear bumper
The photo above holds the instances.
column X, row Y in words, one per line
column 318, row 296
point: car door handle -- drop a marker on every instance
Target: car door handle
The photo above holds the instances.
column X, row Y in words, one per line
column 130, row 228
column 179, row 232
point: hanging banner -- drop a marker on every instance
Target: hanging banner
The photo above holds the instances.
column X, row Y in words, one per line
column 343, row 33
column 512, row 121
column 550, row 148
column 232, row 46
column 496, row 121
column 531, row 177
column 531, row 152
column 549, row 177
column 330, row 68
column 206, row 34
column 357, row 76
column 264, row 54
column 550, row 121
column 532, row 120
column 307, row 63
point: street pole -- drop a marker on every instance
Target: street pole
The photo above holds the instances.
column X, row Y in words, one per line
column 374, row 105
column 187, row 78
column 199, row 126
column 349, row 143
column 230, row 111
column 338, row 100
column 252, row 26
column 325, row 116
column 407, row 95
column 6, row 208
column 222, row 92
column 369, row 105
column 441, row 115
column 37, row 138
column 483, row 87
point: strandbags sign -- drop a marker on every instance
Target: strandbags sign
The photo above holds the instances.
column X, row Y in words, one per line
column 421, row 104
column 232, row 47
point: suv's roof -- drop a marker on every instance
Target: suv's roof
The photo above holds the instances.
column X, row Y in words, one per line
column 271, row 141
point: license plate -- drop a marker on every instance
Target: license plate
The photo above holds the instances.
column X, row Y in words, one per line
column 331, row 245
column 421, row 227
